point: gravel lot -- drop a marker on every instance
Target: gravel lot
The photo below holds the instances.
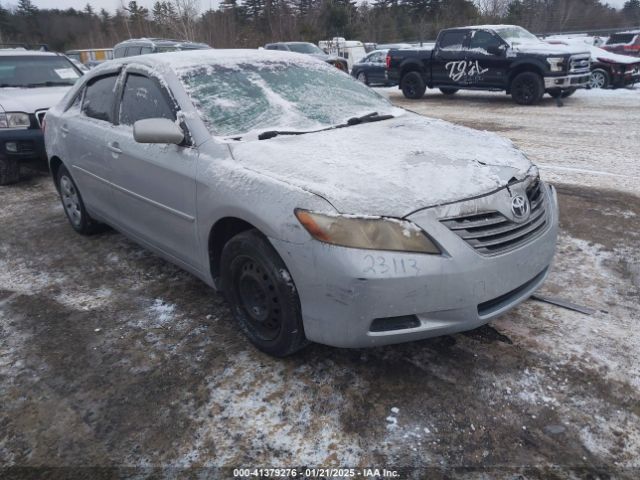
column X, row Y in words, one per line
column 109, row 356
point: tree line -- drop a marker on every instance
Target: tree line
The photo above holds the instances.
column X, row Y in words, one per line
column 251, row 23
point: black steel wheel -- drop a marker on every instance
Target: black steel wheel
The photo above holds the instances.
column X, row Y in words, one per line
column 527, row 88
column 412, row 85
column 263, row 298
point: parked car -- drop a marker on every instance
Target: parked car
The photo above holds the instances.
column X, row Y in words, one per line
column 504, row 57
column 371, row 70
column 321, row 211
column 30, row 83
column 626, row 43
column 608, row 69
column 309, row 49
column 143, row 46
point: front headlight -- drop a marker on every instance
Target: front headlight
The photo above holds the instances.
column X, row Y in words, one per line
column 556, row 64
column 14, row 120
column 371, row 233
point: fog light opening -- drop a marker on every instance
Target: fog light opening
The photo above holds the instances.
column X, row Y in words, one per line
column 394, row 323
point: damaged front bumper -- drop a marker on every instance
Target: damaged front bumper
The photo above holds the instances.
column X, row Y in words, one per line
column 359, row 298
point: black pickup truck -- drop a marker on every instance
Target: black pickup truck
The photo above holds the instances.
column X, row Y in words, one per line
column 490, row 57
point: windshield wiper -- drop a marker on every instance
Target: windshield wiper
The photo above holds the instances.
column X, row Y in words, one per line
column 369, row 117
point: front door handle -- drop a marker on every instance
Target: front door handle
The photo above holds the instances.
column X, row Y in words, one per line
column 114, row 147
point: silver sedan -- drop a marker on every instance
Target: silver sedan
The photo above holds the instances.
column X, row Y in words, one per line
column 321, row 211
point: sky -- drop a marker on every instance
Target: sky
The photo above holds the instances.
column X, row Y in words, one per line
column 111, row 5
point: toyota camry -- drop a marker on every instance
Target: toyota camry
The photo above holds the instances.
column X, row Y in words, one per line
column 320, row 210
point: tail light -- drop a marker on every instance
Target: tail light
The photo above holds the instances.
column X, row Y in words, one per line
column 388, row 61
column 631, row 48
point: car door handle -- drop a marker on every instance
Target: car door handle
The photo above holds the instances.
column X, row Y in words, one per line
column 114, row 147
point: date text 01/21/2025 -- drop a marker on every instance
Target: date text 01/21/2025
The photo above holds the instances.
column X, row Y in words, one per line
column 314, row 473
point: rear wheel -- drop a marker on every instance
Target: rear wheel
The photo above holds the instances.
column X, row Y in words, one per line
column 527, row 88
column 413, row 85
column 599, row 79
column 73, row 205
column 9, row 171
column 263, row 298
column 449, row 91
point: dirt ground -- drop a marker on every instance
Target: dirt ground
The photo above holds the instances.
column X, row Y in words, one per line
column 112, row 357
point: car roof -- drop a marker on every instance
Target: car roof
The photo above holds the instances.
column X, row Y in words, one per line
column 186, row 59
column 21, row 52
column 158, row 41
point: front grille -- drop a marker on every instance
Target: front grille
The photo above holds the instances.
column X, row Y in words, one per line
column 579, row 64
column 40, row 117
column 491, row 233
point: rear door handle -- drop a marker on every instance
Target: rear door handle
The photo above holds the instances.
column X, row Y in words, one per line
column 114, row 147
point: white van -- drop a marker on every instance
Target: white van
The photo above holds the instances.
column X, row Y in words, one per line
column 351, row 50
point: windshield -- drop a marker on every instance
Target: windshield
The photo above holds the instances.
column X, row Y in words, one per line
column 516, row 35
column 34, row 71
column 620, row 38
column 235, row 100
column 304, row 48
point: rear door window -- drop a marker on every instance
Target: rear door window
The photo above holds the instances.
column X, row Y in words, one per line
column 144, row 98
column 453, row 40
column 98, row 98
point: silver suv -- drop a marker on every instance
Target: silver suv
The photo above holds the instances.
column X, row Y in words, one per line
column 142, row 46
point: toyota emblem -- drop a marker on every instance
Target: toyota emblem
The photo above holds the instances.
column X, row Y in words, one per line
column 520, row 207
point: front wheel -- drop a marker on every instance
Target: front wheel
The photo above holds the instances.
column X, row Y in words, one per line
column 73, row 205
column 9, row 171
column 263, row 298
column 413, row 85
column 362, row 77
column 599, row 79
column 449, row 91
column 527, row 88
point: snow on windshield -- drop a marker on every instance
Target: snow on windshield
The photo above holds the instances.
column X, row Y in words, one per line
column 235, row 99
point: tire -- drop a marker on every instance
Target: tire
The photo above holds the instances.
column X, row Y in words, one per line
column 362, row 77
column 73, row 205
column 263, row 298
column 9, row 171
column 412, row 85
column 599, row 79
column 527, row 88
column 449, row 91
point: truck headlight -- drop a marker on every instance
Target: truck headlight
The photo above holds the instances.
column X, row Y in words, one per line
column 556, row 64
column 371, row 233
column 14, row 120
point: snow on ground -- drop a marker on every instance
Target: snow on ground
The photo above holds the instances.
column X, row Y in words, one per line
column 143, row 366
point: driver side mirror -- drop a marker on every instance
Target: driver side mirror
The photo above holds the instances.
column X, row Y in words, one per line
column 157, row 130
column 496, row 49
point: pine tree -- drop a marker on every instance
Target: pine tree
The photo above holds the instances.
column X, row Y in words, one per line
column 26, row 8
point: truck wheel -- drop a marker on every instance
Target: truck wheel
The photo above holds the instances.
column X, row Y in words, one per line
column 9, row 171
column 412, row 85
column 527, row 88
column 599, row 79
column 263, row 298
column 449, row 91
column 73, row 205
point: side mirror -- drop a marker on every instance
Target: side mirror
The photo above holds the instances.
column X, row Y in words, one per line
column 157, row 130
column 496, row 49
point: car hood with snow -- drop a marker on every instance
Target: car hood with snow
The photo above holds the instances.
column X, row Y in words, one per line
column 29, row 100
column 391, row 167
